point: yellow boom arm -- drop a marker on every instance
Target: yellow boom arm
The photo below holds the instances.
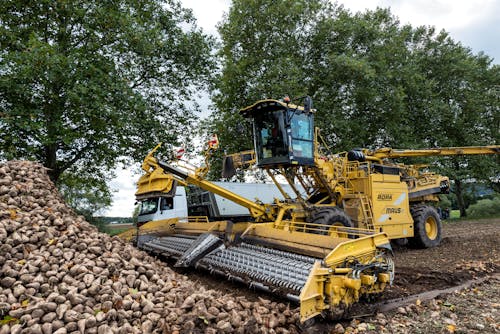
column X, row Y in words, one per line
column 467, row 150
column 256, row 210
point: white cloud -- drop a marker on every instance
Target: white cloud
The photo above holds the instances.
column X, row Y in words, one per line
column 124, row 186
column 473, row 23
column 444, row 14
column 207, row 13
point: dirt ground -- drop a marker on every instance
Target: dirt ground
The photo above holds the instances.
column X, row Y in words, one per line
column 469, row 251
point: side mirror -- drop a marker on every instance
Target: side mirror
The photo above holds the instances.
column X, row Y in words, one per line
column 308, row 103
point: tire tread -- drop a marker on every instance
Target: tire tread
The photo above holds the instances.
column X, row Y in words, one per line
column 419, row 213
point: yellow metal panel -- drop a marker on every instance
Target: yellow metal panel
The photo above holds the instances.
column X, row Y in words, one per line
column 217, row 227
column 384, row 277
column 385, row 178
column 391, row 210
column 356, row 248
column 155, row 181
column 367, row 280
column 304, row 243
column 158, row 227
column 173, row 225
column 311, row 297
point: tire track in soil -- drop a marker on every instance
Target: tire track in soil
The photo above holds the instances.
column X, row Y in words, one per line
column 428, row 295
column 469, row 250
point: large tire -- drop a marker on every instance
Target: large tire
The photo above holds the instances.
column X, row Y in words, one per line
column 328, row 217
column 427, row 227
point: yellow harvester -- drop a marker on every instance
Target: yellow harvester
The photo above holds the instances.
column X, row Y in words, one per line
column 329, row 242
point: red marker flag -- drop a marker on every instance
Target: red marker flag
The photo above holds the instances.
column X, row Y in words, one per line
column 213, row 142
column 179, row 152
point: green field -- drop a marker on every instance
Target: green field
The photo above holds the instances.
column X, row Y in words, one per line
column 455, row 214
column 114, row 229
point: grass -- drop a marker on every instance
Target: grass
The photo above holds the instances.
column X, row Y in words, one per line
column 455, row 214
column 116, row 231
column 455, row 217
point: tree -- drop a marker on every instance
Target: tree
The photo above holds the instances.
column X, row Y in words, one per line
column 464, row 109
column 406, row 87
column 362, row 73
column 86, row 84
column 261, row 58
column 374, row 81
column 86, row 197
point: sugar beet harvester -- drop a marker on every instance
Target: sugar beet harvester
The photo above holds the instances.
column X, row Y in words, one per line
column 330, row 243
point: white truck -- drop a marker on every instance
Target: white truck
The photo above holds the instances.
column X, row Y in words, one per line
column 198, row 202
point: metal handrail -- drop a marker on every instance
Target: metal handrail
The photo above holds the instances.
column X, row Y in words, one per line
column 322, row 228
column 194, row 219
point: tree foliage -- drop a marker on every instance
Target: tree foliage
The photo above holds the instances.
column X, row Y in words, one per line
column 374, row 81
column 484, row 208
column 87, row 196
column 84, row 84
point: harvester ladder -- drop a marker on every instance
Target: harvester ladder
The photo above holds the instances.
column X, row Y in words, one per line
column 367, row 211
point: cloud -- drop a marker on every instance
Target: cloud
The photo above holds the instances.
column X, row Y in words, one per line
column 208, row 13
column 444, row 14
column 482, row 36
column 124, row 186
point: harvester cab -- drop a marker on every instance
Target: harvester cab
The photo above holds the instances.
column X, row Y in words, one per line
column 283, row 133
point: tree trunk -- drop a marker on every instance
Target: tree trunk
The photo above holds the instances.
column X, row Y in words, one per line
column 51, row 162
column 460, row 197
column 50, row 146
column 55, row 108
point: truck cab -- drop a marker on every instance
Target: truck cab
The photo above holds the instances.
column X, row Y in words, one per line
column 163, row 207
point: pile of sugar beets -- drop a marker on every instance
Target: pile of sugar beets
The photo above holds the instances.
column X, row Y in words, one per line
column 58, row 274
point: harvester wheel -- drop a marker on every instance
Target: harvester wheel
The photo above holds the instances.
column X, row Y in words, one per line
column 426, row 226
column 330, row 218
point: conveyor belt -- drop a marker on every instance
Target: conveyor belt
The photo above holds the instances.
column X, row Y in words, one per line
column 251, row 263
column 272, row 267
column 170, row 246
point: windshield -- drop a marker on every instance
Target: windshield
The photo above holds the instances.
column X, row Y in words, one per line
column 271, row 137
column 148, row 206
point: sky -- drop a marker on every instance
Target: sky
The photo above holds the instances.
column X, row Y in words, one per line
column 475, row 24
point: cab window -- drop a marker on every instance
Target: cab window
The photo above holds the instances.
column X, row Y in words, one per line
column 166, row 203
column 302, row 135
column 271, row 137
column 148, row 206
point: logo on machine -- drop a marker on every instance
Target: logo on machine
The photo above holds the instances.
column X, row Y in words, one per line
column 384, row 197
column 393, row 210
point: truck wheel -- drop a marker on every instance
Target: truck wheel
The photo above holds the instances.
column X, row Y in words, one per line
column 331, row 217
column 426, row 227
